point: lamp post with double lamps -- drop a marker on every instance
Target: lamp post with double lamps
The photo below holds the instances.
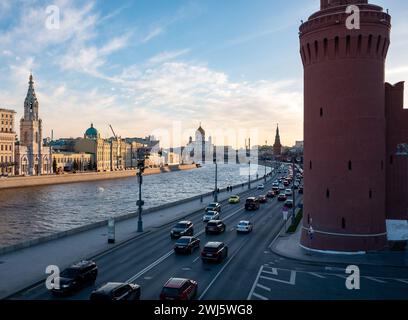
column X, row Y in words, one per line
column 142, row 155
column 216, row 180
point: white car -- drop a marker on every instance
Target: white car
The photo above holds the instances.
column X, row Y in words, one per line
column 288, row 192
column 244, row 227
column 261, row 187
column 211, row 215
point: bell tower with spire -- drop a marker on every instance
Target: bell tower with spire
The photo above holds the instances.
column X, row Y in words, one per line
column 277, row 147
column 31, row 131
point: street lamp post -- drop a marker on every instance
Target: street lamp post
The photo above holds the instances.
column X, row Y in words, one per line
column 141, row 167
column 266, row 144
column 249, row 175
column 216, row 181
column 139, row 202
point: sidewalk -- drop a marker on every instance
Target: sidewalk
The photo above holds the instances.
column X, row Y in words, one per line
column 21, row 268
column 288, row 246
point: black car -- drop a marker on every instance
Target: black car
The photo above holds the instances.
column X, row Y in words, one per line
column 263, row 199
column 289, row 204
column 183, row 228
column 252, row 203
column 214, row 206
column 270, row 194
column 186, row 245
column 75, row 277
column 214, row 251
column 215, row 226
column 116, row 291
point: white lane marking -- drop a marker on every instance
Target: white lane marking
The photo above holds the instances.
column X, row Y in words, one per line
column 340, row 276
column 259, row 296
column 402, row 280
column 150, row 267
column 334, row 269
column 375, row 280
column 165, row 256
column 317, row 275
column 263, row 287
column 196, row 259
column 221, row 271
column 255, row 283
column 273, row 272
column 292, row 280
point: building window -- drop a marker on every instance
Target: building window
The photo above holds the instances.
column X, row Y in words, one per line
column 310, row 165
column 327, row 193
column 321, row 112
column 391, row 159
column 350, row 166
column 370, row 194
column 308, row 219
column 343, row 223
column 360, row 40
column 382, row 165
column 348, row 43
column 370, row 41
column 336, row 45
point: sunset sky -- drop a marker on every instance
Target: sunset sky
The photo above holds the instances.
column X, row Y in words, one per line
column 142, row 65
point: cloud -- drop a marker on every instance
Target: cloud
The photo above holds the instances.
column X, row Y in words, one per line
column 187, row 92
column 155, row 32
column 168, row 55
column 31, row 35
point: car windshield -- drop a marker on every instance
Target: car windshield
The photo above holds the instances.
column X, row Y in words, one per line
column 243, row 224
column 212, row 224
column 181, row 226
column 210, row 249
column 212, row 205
column 211, row 213
column 70, row 273
column 250, row 200
column 183, row 241
column 170, row 292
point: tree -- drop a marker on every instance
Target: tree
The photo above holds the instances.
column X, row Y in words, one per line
column 75, row 165
column 54, row 166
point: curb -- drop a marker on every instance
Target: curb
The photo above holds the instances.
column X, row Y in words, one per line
column 319, row 261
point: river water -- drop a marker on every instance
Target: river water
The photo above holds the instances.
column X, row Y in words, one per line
column 34, row 212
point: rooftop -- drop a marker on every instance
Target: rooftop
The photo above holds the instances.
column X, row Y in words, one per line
column 7, row 110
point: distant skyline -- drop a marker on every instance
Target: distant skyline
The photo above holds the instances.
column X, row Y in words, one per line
column 141, row 65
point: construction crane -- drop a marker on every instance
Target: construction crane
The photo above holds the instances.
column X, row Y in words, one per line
column 118, row 153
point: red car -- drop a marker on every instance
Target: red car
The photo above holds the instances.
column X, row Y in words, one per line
column 263, row 199
column 179, row 289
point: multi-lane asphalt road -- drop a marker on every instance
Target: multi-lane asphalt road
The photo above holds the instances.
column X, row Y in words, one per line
column 251, row 271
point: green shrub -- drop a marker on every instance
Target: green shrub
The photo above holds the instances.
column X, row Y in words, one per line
column 292, row 228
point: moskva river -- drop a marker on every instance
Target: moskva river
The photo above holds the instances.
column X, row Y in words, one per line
column 35, row 212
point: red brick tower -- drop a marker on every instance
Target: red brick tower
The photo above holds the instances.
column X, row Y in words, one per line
column 345, row 127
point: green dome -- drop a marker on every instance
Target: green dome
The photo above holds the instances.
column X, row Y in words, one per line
column 91, row 133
